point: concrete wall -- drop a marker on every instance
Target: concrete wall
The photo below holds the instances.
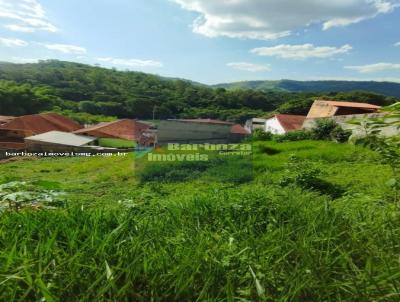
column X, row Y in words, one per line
column 255, row 123
column 343, row 121
column 192, row 132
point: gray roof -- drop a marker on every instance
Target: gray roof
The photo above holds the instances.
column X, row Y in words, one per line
column 62, row 138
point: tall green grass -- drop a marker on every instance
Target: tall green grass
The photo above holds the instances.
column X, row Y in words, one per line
column 206, row 238
column 300, row 246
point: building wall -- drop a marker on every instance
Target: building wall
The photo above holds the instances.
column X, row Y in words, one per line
column 187, row 132
column 344, row 122
column 255, row 123
column 321, row 109
column 273, row 125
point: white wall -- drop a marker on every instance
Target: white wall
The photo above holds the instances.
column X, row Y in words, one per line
column 272, row 125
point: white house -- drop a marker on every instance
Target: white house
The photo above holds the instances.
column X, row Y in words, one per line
column 283, row 123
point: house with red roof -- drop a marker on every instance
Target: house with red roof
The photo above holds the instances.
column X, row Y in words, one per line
column 120, row 129
column 41, row 123
column 13, row 130
column 284, row 123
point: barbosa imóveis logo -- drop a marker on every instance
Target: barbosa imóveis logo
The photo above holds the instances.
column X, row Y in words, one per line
column 196, row 152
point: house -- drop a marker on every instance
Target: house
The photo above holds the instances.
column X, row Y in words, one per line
column 194, row 131
column 13, row 130
column 284, row 123
column 341, row 113
column 323, row 109
column 5, row 119
column 41, row 123
column 57, row 141
column 122, row 129
column 11, row 139
column 255, row 123
column 238, row 133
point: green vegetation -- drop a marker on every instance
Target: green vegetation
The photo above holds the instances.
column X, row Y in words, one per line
column 91, row 94
column 315, row 223
column 387, row 88
column 116, row 143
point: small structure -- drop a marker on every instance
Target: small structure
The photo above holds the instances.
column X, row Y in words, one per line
column 13, row 130
column 41, row 123
column 255, row 123
column 342, row 113
column 57, row 141
column 323, row 109
column 194, row 131
column 122, row 129
column 5, row 119
column 284, row 123
column 238, row 133
column 11, row 139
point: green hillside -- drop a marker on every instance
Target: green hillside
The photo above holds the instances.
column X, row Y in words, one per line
column 386, row 88
column 90, row 94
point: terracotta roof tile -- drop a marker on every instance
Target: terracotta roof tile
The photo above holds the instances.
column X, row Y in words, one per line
column 41, row 123
column 124, row 129
column 239, row 129
column 291, row 122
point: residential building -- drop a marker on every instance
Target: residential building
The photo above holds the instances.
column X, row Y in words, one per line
column 284, row 123
column 194, row 131
column 123, row 129
column 323, row 109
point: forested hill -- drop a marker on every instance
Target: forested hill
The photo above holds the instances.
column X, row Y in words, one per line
column 386, row 88
column 87, row 92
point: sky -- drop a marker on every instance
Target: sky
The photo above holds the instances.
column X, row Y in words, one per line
column 210, row 41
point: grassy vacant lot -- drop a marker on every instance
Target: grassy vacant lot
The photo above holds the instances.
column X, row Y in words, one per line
column 316, row 223
column 116, row 143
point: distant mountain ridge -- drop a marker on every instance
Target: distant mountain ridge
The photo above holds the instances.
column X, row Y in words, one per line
column 386, row 88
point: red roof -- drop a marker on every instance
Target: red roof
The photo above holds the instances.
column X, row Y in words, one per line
column 124, row 129
column 238, row 129
column 205, row 121
column 350, row 104
column 291, row 122
column 42, row 123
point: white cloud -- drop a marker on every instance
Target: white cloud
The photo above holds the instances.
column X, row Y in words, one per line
column 67, row 49
column 135, row 63
column 378, row 67
column 397, row 44
column 299, row 52
column 26, row 15
column 12, row 42
column 249, row 66
column 271, row 19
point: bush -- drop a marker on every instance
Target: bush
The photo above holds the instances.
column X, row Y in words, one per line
column 340, row 135
column 323, row 129
column 292, row 136
column 261, row 135
column 308, row 177
column 327, row 129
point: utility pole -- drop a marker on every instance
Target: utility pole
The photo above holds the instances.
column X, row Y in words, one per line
column 154, row 112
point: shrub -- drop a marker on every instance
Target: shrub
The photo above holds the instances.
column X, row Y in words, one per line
column 323, row 129
column 340, row 135
column 308, row 177
column 292, row 136
column 261, row 135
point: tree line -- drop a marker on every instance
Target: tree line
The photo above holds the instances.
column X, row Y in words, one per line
column 85, row 91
